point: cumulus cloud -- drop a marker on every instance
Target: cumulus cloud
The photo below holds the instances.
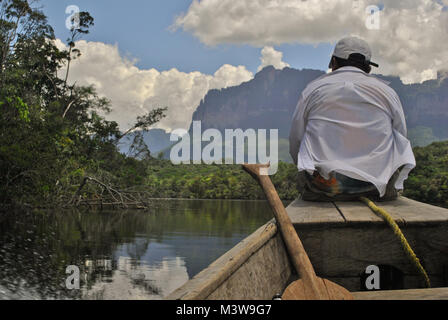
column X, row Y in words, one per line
column 134, row 91
column 272, row 57
column 411, row 42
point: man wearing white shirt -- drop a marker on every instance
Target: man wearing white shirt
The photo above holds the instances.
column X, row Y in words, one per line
column 348, row 135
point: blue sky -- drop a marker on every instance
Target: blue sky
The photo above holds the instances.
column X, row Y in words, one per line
column 141, row 30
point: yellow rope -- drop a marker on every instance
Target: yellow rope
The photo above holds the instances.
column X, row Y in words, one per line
column 407, row 248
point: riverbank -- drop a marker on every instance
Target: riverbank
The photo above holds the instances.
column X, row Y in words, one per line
column 127, row 182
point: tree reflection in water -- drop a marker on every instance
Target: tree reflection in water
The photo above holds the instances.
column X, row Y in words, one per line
column 121, row 254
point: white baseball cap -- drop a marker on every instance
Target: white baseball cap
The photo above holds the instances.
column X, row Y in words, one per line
column 347, row 46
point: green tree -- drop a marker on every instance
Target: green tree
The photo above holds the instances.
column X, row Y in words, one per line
column 52, row 132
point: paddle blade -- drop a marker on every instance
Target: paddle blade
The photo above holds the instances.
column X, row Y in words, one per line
column 298, row 290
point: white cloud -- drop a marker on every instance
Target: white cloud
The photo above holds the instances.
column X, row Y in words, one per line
column 412, row 41
column 134, row 91
column 272, row 57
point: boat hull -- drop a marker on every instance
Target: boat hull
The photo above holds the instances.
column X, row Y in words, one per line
column 342, row 240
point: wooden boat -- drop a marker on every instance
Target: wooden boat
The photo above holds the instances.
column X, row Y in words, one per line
column 342, row 239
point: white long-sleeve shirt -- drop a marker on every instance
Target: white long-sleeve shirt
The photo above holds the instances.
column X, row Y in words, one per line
column 352, row 123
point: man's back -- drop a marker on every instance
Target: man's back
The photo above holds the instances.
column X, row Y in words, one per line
column 351, row 123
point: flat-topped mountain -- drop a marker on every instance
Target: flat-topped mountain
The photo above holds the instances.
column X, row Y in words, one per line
column 269, row 100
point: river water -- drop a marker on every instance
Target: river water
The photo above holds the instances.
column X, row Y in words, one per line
column 120, row 254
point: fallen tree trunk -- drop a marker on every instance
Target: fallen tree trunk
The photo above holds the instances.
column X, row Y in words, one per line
column 109, row 196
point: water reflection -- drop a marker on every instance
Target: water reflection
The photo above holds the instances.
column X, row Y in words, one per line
column 120, row 254
column 138, row 281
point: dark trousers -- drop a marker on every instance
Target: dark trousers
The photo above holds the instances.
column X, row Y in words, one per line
column 342, row 188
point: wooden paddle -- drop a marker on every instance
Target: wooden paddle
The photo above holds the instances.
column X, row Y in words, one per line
column 309, row 286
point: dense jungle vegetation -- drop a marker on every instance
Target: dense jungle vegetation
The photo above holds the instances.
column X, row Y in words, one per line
column 428, row 182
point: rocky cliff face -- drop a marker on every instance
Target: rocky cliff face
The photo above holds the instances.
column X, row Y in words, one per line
column 269, row 100
column 426, row 105
column 266, row 102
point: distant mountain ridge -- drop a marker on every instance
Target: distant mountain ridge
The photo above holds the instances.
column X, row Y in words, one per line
column 265, row 102
column 269, row 100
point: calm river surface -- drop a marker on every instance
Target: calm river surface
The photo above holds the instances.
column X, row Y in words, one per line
column 120, row 254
